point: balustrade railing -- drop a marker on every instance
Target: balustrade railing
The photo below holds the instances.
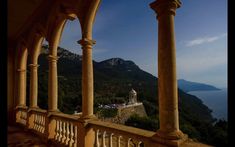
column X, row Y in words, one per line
column 66, row 130
column 114, row 135
column 38, row 121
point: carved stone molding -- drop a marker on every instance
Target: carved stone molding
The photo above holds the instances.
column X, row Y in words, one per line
column 162, row 7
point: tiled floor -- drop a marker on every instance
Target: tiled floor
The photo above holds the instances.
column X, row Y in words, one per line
column 17, row 137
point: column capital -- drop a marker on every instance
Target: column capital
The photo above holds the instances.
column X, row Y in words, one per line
column 165, row 6
column 52, row 58
column 86, row 42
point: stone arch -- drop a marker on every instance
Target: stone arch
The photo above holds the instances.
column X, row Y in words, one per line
column 36, row 38
column 88, row 20
column 71, row 32
column 35, row 48
column 53, row 39
column 22, row 54
column 56, row 21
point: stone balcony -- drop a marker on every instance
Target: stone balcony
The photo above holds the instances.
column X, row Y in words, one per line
column 37, row 127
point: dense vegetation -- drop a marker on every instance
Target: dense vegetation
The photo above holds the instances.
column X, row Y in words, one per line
column 113, row 79
column 107, row 112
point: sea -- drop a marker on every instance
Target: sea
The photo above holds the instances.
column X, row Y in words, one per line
column 216, row 100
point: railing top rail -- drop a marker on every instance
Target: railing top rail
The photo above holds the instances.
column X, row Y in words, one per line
column 121, row 129
column 64, row 116
column 37, row 110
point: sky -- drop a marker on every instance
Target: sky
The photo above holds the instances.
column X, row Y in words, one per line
column 128, row 29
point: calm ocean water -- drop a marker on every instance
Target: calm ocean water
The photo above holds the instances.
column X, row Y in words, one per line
column 216, row 100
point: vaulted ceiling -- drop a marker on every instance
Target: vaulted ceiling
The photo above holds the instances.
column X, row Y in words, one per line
column 19, row 13
column 24, row 14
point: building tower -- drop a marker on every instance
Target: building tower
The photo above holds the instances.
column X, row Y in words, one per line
column 132, row 97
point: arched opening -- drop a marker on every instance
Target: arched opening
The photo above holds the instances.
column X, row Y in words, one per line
column 32, row 70
column 124, row 49
column 43, row 76
column 70, row 69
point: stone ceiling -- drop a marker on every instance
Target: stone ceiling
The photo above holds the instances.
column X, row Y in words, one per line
column 19, row 12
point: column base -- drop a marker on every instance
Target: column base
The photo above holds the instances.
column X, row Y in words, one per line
column 86, row 119
column 88, row 116
column 175, row 138
column 33, row 108
column 50, row 112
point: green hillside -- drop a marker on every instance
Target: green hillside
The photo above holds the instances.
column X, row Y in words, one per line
column 113, row 79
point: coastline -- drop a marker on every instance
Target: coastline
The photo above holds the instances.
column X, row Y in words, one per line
column 216, row 100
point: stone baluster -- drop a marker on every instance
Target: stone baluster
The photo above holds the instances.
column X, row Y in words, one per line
column 40, row 123
column 57, row 134
column 71, row 135
column 67, row 133
column 43, row 123
column 103, row 139
column 119, row 141
column 35, row 121
column 139, row 144
column 97, row 143
column 128, row 142
column 60, row 131
column 64, row 132
column 111, row 140
column 75, row 135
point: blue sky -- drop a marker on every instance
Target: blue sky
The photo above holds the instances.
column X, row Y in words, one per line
column 128, row 29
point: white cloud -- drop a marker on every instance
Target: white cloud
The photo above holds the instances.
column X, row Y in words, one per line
column 202, row 40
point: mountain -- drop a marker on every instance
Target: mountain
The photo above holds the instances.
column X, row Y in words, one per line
column 187, row 86
column 113, row 79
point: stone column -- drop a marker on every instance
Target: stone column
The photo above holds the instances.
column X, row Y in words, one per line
column 21, row 87
column 33, row 85
column 52, row 84
column 167, row 82
column 87, row 77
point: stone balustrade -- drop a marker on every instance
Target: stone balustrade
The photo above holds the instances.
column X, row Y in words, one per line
column 70, row 130
column 66, row 129
column 115, row 135
column 39, row 117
